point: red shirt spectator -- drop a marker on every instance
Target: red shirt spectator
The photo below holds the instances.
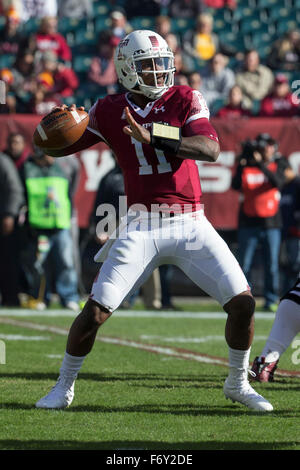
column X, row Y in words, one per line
column 234, row 108
column 280, row 103
column 220, row 3
column 65, row 81
column 102, row 69
column 48, row 39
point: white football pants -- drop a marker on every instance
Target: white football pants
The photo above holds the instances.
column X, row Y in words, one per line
column 145, row 241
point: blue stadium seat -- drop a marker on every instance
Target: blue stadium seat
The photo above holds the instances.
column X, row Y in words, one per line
column 262, row 39
column 294, row 76
column 216, row 105
column 68, row 100
column 71, row 25
column 88, row 93
column 142, row 22
column 101, row 23
column 81, row 63
column 255, row 107
column 278, row 13
column 7, row 60
column 2, row 22
column 264, row 50
column 249, row 13
column 232, row 39
column 85, row 38
column 253, row 26
column 222, row 26
column 31, row 26
column 267, row 3
column 286, row 24
column 246, row 3
column 181, row 25
column 101, row 8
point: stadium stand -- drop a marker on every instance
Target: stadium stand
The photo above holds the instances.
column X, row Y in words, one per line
column 253, row 24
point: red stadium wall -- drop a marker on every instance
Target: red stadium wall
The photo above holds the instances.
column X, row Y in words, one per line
column 221, row 203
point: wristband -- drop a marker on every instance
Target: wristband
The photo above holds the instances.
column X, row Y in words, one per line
column 166, row 138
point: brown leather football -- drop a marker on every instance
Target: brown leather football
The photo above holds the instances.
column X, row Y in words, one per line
column 60, row 128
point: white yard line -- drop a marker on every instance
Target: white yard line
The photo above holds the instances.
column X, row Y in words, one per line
column 24, row 338
column 168, row 351
column 185, row 339
column 128, row 314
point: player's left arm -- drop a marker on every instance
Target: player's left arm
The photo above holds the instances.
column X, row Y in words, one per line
column 199, row 142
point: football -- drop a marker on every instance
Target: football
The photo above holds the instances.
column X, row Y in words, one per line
column 60, row 128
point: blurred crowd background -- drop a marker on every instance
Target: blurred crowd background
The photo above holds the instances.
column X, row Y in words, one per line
column 243, row 55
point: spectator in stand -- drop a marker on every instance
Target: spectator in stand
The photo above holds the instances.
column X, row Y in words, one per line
column 173, row 42
column 102, row 71
column 280, row 102
column 185, row 8
column 24, row 79
column 285, row 53
column 10, row 36
column 43, row 98
column 38, row 9
column 10, row 105
column 163, row 25
column 48, row 39
column 119, row 27
column 181, row 66
column 16, row 149
column 290, row 211
column 180, row 77
column 76, row 9
column 202, row 43
column 65, row 81
column 254, row 79
column 217, row 79
column 195, row 81
column 11, row 200
column 234, row 108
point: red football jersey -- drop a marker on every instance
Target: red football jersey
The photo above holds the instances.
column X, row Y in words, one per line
column 152, row 176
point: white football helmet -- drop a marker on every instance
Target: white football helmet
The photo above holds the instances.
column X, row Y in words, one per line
column 141, row 48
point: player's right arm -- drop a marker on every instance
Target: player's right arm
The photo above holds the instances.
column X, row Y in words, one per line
column 88, row 139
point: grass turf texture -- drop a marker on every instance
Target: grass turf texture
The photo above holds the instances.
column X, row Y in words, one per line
column 127, row 398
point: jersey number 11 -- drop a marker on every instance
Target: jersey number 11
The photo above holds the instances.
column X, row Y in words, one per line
column 146, row 169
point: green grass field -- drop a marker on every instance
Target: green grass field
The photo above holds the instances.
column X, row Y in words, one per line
column 149, row 383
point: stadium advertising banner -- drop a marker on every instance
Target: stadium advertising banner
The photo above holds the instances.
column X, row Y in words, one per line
column 221, row 203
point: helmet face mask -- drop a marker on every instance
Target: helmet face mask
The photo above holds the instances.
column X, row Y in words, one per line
column 145, row 64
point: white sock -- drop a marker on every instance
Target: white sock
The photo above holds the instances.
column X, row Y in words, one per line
column 71, row 365
column 238, row 364
column 285, row 327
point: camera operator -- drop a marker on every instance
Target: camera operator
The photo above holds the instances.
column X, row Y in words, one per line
column 260, row 177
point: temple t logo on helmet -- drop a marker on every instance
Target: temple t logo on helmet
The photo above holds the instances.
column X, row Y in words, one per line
column 144, row 54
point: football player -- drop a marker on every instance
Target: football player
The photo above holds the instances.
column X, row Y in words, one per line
column 157, row 132
column 285, row 327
